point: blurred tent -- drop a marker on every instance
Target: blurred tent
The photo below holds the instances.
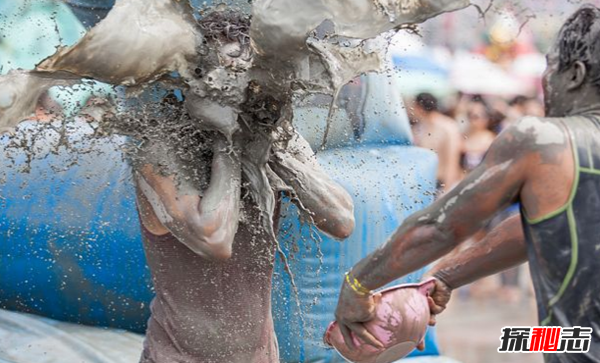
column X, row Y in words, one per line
column 529, row 68
column 474, row 74
column 421, row 73
column 419, row 68
column 530, row 65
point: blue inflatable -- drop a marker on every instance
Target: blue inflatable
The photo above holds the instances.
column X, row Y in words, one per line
column 388, row 179
column 70, row 236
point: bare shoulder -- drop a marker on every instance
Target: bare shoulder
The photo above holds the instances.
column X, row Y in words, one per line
column 542, row 131
column 447, row 127
column 187, row 168
column 535, row 132
column 532, row 137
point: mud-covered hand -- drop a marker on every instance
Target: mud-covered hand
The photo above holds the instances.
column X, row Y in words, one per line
column 438, row 299
column 353, row 310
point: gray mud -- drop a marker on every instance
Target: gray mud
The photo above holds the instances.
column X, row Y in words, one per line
column 243, row 87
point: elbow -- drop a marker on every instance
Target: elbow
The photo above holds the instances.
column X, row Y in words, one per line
column 444, row 235
column 342, row 225
column 213, row 250
column 220, row 254
column 220, row 251
column 214, row 243
column 345, row 227
column 345, row 221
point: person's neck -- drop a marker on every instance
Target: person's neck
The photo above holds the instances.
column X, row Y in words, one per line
column 593, row 109
column 588, row 103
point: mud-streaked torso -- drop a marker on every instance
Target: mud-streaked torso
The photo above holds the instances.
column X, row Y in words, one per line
column 212, row 312
column 564, row 247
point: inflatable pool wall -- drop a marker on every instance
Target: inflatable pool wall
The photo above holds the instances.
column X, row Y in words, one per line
column 388, row 180
column 70, row 236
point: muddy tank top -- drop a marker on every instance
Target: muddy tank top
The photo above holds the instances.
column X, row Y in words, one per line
column 211, row 312
column 564, row 247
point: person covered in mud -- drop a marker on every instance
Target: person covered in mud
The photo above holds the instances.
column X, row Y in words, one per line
column 210, row 253
column 549, row 165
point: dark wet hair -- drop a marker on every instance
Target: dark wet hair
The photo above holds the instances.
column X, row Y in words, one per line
column 427, row 102
column 579, row 40
column 226, row 25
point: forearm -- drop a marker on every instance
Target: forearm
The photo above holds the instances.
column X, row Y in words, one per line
column 501, row 249
column 206, row 222
column 211, row 225
column 329, row 205
column 434, row 232
column 225, row 181
column 413, row 246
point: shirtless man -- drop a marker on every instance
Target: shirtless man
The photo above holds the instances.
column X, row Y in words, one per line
column 206, row 243
column 439, row 133
column 547, row 164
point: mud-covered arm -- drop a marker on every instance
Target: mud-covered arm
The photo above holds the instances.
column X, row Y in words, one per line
column 428, row 235
column 504, row 247
column 207, row 224
column 328, row 204
column 437, row 230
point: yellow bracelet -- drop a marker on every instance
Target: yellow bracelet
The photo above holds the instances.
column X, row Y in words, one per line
column 356, row 285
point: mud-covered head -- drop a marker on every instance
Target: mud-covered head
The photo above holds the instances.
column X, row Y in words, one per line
column 229, row 32
column 572, row 77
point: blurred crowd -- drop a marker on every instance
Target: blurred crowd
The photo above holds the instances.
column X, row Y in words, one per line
column 461, row 132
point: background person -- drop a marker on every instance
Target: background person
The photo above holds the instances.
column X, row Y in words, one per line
column 439, row 133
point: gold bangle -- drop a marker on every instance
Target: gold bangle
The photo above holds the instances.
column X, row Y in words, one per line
column 356, row 285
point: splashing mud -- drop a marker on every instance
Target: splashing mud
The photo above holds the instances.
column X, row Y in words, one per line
column 19, row 94
column 138, row 42
column 280, row 27
column 228, row 85
column 239, row 82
